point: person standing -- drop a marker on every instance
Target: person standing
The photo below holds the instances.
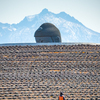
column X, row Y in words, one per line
column 61, row 96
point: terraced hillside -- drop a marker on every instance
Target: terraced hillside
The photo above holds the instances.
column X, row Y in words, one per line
column 41, row 72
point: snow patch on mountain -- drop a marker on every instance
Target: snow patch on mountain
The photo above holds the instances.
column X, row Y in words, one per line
column 14, row 29
column 30, row 18
column 0, row 35
column 9, row 29
column 4, row 27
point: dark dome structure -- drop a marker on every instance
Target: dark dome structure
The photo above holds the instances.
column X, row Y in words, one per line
column 47, row 32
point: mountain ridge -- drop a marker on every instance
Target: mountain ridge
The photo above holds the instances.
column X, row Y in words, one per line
column 71, row 29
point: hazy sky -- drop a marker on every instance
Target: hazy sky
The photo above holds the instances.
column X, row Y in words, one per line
column 86, row 11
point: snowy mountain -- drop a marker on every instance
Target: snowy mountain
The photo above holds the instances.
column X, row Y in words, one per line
column 71, row 29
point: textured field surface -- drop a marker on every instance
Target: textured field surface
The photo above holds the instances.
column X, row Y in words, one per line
column 41, row 72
